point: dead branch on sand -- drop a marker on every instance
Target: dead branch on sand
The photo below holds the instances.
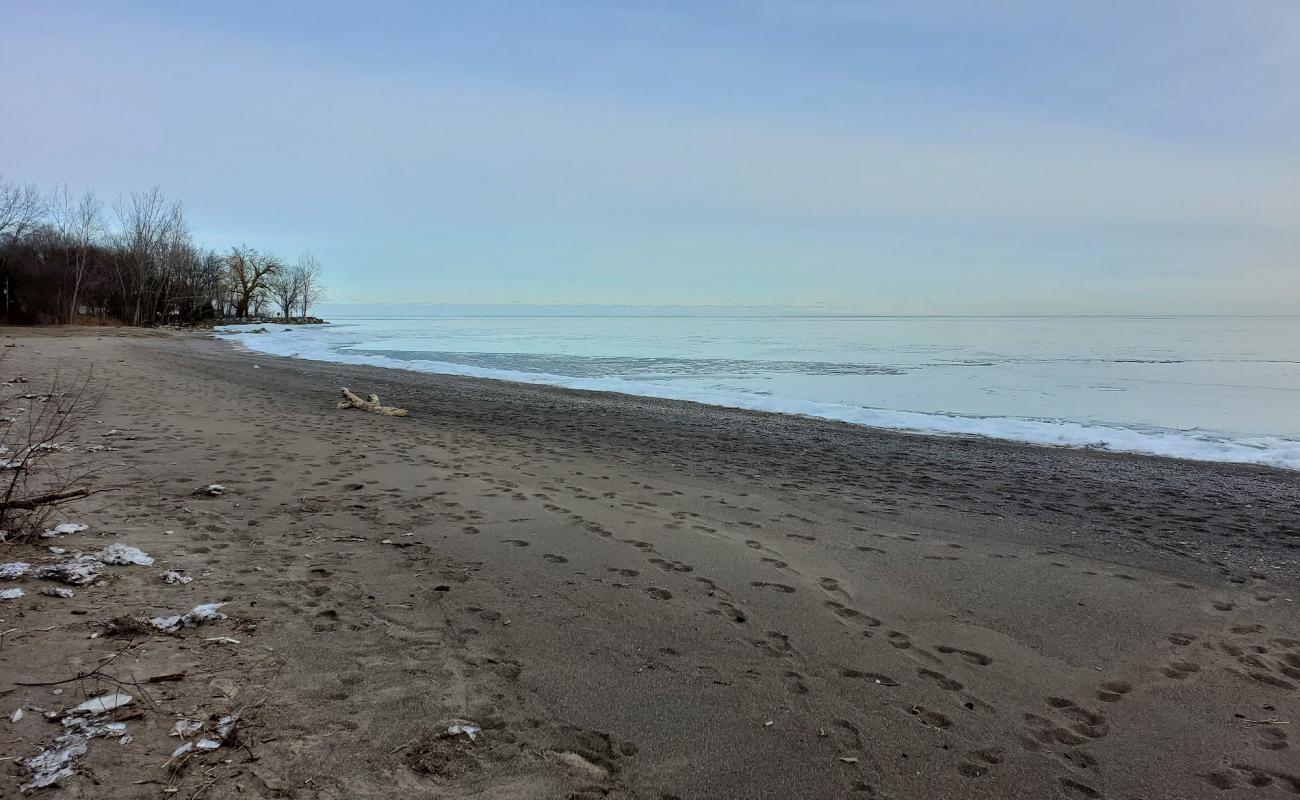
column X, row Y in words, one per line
column 372, row 404
column 50, row 498
column 38, row 441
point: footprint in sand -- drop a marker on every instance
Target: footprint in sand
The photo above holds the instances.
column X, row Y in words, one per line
column 1085, row 723
column 776, row 645
column 659, row 594
column 1180, row 670
column 899, row 640
column 971, row 656
column 978, row 763
column 776, row 587
column 929, row 718
column 671, row 566
column 938, row 678
column 555, row 559
column 732, row 613
column 878, row 678
column 1272, row 738
column 832, row 587
column 1246, row 775
column 1082, row 790
column 1113, row 691
column 515, row 542
column 844, row 613
column 794, row 682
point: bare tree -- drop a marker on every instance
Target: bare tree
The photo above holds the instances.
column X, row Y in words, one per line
column 200, row 285
column 307, row 274
column 250, row 272
column 64, row 258
column 21, row 206
column 153, row 230
column 283, row 287
column 80, row 225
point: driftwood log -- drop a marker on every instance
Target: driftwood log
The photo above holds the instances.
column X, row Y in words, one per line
column 44, row 499
column 372, row 404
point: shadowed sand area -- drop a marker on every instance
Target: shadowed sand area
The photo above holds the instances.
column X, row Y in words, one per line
column 650, row 599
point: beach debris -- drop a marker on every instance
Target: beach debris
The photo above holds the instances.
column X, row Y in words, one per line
column 472, row 731
column 11, row 594
column 64, row 528
column 214, row 736
column 86, row 729
column 211, row 490
column 174, row 577
column 84, row 569
column 201, row 744
column 57, row 591
column 48, row 767
column 14, row 570
column 226, row 726
column 190, row 619
column 102, row 704
column 124, row 554
column 79, row 571
column 371, row 404
column 16, row 716
column 185, row 728
column 221, row 640
column 166, row 677
column 58, row 551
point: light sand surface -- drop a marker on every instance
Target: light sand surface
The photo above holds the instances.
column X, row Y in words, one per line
column 646, row 599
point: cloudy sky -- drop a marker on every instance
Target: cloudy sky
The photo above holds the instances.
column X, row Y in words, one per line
column 1007, row 156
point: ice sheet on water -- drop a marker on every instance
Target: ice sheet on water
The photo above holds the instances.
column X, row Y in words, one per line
column 325, row 344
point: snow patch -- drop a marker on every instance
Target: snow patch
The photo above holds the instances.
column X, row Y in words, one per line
column 190, row 619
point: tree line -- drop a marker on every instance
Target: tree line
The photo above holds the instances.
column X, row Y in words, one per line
column 67, row 259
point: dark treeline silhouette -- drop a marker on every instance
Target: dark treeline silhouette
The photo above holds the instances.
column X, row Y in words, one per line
column 66, row 259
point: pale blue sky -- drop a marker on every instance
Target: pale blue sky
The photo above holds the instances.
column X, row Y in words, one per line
column 1011, row 156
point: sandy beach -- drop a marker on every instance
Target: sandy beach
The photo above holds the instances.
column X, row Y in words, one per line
column 635, row 598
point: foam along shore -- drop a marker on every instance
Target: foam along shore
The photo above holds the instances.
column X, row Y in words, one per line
column 1273, row 451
